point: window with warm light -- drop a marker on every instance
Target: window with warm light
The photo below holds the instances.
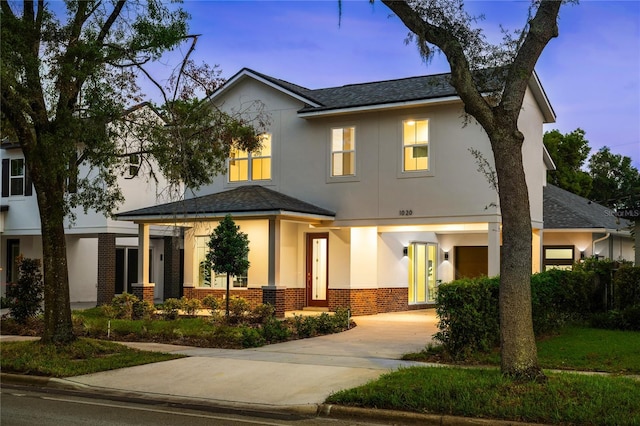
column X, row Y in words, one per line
column 343, row 151
column 251, row 166
column 415, row 145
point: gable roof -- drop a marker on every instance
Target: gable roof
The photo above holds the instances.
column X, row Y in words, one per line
column 249, row 200
column 565, row 210
column 374, row 95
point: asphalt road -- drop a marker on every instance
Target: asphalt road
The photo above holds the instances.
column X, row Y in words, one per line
column 26, row 406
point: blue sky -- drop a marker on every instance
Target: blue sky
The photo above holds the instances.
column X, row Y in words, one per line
column 591, row 72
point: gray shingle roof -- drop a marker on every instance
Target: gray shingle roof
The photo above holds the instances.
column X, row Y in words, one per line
column 374, row 93
column 244, row 199
column 565, row 210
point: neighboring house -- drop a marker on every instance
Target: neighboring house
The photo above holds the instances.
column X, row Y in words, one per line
column 576, row 228
column 365, row 196
column 101, row 252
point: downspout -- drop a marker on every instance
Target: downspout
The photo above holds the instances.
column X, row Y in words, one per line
column 593, row 244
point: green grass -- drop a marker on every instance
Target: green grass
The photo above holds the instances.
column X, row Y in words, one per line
column 574, row 348
column 566, row 398
column 84, row 356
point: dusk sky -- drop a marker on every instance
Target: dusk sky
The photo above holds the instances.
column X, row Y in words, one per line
column 591, row 72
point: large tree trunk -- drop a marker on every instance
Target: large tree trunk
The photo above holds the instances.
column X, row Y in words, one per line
column 517, row 340
column 58, row 327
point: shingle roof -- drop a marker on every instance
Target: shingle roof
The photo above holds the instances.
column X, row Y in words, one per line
column 373, row 93
column 565, row 210
column 244, row 199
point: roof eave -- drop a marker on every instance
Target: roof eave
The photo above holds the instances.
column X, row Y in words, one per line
column 151, row 218
column 378, row 107
column 247, row 73
column 541, row 97
column 620, row 232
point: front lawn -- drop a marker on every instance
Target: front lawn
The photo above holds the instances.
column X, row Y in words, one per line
column 566, row 398
column 573, row 348
column 84, row 356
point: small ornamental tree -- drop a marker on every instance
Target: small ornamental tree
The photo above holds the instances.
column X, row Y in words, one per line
column 26, row 295
column 228, row 251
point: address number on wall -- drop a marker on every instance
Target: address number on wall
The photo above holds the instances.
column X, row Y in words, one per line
column 406, row 212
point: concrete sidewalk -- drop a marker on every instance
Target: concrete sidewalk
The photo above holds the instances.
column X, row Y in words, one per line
column 295, row 376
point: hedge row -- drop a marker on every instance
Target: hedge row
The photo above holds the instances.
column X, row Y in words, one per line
column 469, row 317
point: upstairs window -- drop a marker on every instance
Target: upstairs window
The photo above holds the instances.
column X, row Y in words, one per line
column 415, row 145
column 343, row 151
column 15, row 178
column 134, row 164
column 247, row 166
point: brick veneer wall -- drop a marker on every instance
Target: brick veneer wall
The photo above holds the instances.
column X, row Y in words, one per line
column 171, row 268
column 370, row 301
column 295, row 298
column 106, row 268
column 144, row 292
column 276, row 297
column 251, row 295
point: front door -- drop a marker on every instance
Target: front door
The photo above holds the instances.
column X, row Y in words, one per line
column 317, row 269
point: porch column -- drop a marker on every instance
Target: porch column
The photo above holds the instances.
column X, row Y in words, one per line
column 143, row 289
column 536, row 251
column 493, row 268
column 272, row 293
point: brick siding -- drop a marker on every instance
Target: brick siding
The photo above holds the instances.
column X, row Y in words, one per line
column 106, row 268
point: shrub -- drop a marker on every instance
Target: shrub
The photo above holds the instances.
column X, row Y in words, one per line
column 171, row 308
column 262, row 313
column 211, row 302
column 603, row 270
column 251, row 338
column 274, row 330
column 190, row 306
column 25, row 297
column 626, row 287
column 469, row 318
column 238, row 309
column 143, row 309
column 342, row 318
column 304, row 326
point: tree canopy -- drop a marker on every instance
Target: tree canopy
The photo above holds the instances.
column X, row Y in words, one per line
column 70, row 74
column 616, row 183
column 569, row 153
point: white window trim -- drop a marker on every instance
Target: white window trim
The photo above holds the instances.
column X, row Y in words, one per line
column 23, row 176
column 346, row 178
column 249, row 158
column 401, row 173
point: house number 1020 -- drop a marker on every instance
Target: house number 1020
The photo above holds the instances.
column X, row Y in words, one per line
column 406, row 212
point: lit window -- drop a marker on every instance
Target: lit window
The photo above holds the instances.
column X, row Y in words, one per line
column 559, row 257
column 207, row 277
column 343, row 151
column 415, row 144
column 16, row 180
column 256, row 165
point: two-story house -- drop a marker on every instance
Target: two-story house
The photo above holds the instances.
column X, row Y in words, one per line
column 365, row 195
column 102, row 253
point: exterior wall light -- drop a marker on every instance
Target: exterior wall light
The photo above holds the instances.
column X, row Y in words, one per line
column 405, row 251
column 446, row 255
column 582, row 254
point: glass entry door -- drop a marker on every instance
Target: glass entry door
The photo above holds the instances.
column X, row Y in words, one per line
column 422, row 272
column 317, row 269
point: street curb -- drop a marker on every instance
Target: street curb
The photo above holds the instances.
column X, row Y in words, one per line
column 343, row 412
column 338, row 412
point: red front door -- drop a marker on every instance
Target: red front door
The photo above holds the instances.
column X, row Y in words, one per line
column 317, row 269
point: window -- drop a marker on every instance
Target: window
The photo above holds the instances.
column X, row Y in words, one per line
column 343, row 151
column 415, row 145
column 251, row 166
column 558, row 257
column 207, row 278
column 16, row 180
column 134, row 164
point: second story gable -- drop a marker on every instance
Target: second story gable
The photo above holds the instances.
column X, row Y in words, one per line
column 377, row 151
